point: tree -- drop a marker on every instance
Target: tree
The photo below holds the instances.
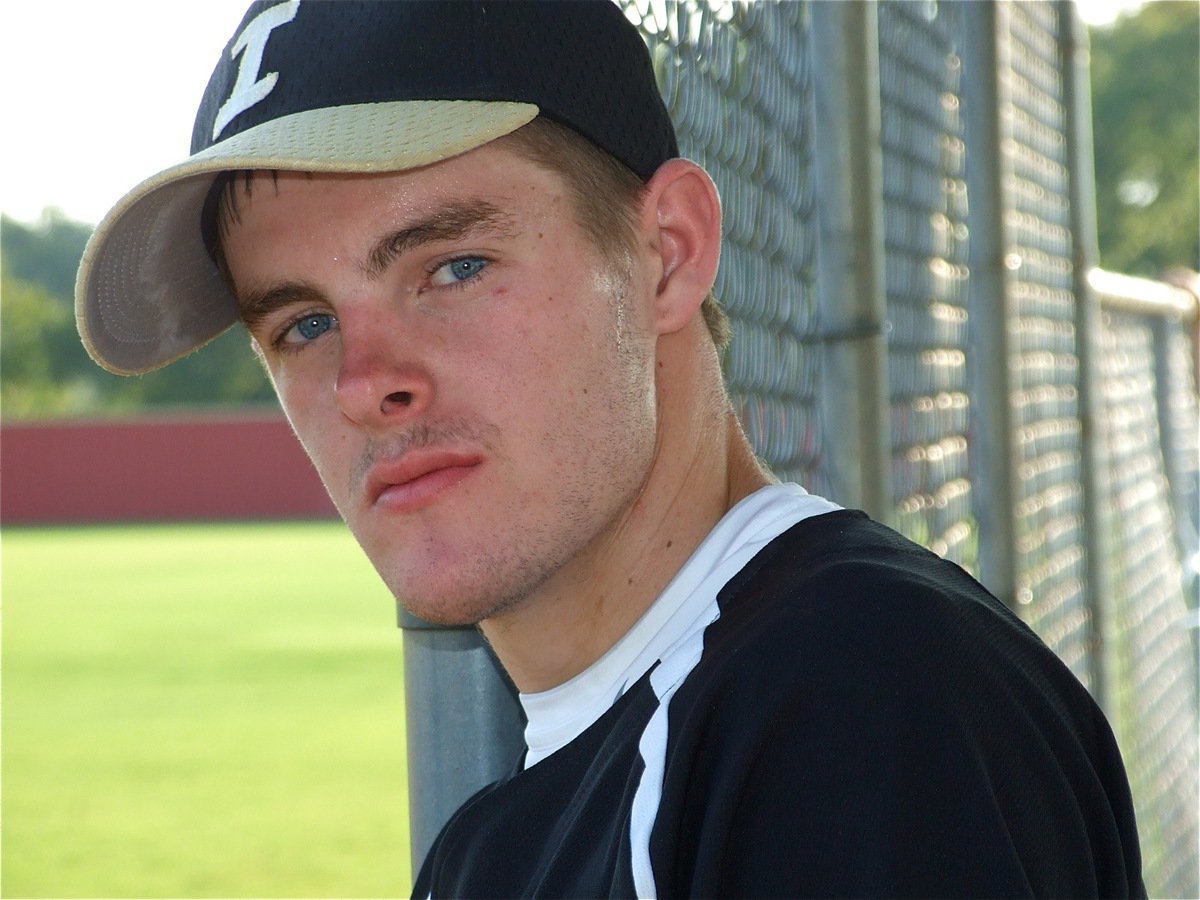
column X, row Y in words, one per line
column 44, row 370
column 30, row 323
column 1146, row 122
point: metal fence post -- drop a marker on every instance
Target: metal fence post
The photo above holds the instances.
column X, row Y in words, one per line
column 464, row 724
column 850, row 255
column 1164, row 327
column 1094, row 442
column 990, row 289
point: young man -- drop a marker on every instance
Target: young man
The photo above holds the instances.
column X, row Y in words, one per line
column 479, row 276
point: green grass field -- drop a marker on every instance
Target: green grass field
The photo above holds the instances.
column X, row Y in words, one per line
column 200, row 711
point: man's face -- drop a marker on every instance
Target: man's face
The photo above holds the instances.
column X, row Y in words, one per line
column 472, row 379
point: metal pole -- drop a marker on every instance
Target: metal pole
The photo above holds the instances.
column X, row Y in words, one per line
column 1164, row 327
column 465, row 728
column 1077, row 97
column 992, row 262
column 850, row 255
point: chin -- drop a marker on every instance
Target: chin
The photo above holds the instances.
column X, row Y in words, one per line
column 454, row 601
column 451, row 613
column 466, row 592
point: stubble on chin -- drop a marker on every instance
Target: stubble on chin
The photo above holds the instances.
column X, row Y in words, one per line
column 510, row 559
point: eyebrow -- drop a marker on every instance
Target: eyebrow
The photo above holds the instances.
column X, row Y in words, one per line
column 257, row 305
column 451, row 222
column 454, row 221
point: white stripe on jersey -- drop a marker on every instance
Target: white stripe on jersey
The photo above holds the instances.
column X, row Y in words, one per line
column 671, row 634
column 674, row 669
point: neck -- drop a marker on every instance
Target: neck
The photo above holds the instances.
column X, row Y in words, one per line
column 703, row 465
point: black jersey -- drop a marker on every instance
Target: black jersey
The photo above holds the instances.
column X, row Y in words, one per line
column 859, row 718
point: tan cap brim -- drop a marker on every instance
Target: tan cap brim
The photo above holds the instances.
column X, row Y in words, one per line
column 148, row 292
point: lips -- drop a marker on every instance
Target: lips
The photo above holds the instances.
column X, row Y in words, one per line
column 418, row 478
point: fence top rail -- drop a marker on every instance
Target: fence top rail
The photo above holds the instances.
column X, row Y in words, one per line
column 1144, row 296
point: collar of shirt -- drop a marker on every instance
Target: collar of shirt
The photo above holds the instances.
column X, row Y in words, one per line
column 559, row 715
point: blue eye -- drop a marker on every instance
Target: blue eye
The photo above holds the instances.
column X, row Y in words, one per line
column 458, row 270
column 309, row 328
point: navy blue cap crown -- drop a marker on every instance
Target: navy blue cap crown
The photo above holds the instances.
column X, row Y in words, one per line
column 580, row 61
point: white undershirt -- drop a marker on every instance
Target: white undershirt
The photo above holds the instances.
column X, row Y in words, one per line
column 559, row 715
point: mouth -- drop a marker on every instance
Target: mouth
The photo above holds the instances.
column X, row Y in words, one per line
column 418, row 479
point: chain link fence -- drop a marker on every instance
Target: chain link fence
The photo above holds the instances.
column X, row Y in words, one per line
column 746, row 95
column 925, row 280
column 1044, row 358
column 750, row 124
column 1151, row 524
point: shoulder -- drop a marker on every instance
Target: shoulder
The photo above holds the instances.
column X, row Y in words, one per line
column 845, row 599
column 834, row 564
column 881, row 709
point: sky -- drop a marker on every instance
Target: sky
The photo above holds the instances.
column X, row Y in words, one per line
column 101, row 94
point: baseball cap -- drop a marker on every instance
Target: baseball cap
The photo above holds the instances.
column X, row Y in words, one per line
column 323, row 86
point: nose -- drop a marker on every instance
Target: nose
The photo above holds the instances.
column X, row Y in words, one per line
column 380, row 381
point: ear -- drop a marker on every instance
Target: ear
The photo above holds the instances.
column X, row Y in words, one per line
column 681, row 213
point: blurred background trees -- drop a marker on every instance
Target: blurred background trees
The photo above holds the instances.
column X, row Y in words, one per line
column 1146, row 124
column 44, row 370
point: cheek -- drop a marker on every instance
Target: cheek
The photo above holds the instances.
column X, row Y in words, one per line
column 314, row 419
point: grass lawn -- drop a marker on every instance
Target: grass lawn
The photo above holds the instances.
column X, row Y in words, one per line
column 200, row 711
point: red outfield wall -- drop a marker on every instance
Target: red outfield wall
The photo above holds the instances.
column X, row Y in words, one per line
column 193, row 468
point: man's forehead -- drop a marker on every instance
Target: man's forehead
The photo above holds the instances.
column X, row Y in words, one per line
column 485, row 170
